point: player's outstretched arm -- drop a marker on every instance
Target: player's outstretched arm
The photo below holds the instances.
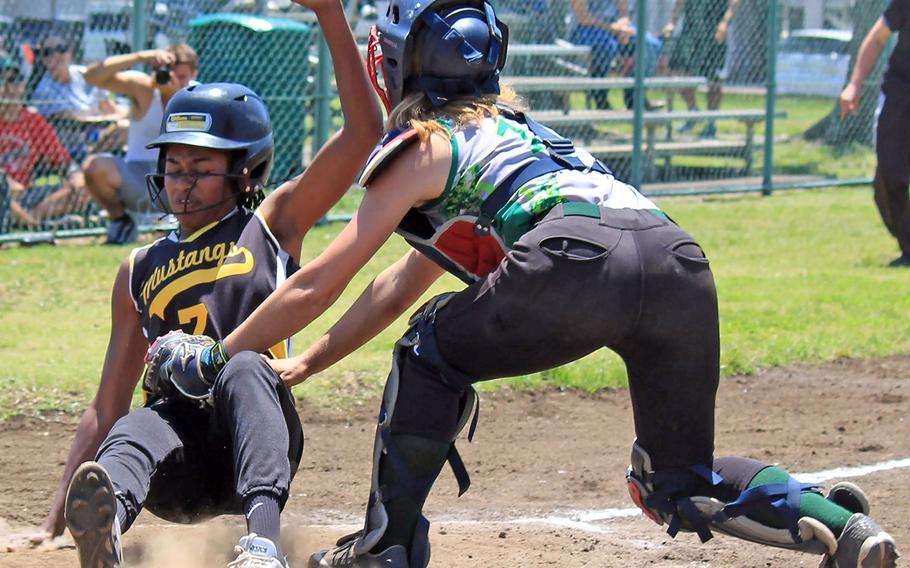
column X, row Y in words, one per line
column 292, row 209
column 121, row 371
column 382, row 301
column 418, row 175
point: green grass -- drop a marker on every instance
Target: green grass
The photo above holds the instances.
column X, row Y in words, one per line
column 800, row 278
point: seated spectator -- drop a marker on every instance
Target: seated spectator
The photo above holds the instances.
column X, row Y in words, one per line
column 118, row 183
column 65, row 99
column 27, row 140
column 605, row 26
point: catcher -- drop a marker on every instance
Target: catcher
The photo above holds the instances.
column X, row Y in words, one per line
column 234, row 444
column 560, row 259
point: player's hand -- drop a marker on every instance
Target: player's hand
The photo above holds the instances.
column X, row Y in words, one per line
column 31, row 538
column 187, row 364
column 848, row 100
column 156, row 58
column 292, row 371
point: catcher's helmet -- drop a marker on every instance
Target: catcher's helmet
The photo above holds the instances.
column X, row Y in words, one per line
column 222, row 116
column 444, row 48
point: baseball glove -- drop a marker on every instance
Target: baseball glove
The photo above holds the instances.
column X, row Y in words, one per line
column 184, row 365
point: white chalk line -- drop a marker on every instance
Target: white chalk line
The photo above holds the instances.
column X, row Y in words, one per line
column 583, row 521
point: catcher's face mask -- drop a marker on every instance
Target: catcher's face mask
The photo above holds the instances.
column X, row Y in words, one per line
column 375, row 68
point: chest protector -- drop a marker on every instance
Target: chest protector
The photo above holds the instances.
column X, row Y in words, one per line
column 469, row 246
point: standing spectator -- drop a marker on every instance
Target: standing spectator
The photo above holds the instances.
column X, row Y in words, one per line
column 118, row 183
column 27, row 141
column 701, row 49
column 64, row 98
column 605, row 26
column 892, row 173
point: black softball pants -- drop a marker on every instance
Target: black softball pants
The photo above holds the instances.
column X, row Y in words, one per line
column 186, row 464
column 892, row 172
column 630, row 280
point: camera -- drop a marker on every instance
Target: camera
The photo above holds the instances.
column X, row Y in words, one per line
column 163, row 75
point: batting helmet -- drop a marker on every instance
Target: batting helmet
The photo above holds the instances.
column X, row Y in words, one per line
column 443, row 48
column 221, row 116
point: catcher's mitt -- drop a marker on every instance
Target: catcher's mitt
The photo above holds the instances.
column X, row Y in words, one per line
column 184, row 365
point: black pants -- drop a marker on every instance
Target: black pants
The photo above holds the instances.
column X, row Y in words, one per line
column 892, row 173
column 631, row 281
column 186, row 464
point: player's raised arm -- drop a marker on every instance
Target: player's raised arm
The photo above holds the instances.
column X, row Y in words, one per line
column 297, row 205
column 122, row 367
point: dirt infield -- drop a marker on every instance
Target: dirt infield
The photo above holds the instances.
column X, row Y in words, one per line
column 547, row 470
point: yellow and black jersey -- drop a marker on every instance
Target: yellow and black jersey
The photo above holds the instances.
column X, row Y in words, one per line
column 208, row 283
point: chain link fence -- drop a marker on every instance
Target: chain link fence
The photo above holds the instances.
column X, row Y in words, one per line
column 716, row 96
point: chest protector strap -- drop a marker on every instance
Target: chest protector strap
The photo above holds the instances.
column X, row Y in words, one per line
column 561, row 155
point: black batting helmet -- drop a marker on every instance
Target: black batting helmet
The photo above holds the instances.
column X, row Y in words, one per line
column 221, row 116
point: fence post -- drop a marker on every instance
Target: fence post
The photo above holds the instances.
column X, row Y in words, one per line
column 323, row 96
column 770, row 96
column 140, row 27
column 641, row 25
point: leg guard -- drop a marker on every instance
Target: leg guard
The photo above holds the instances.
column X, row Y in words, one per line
column 420, row 339
column 681, row 499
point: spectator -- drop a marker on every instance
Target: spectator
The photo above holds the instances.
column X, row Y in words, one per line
column 892, row 173
column 605, row 26
column 65, row 99
column 27, row 140
column 701, row 49
column 118, row 183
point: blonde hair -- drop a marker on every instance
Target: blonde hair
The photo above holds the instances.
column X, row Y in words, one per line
column 416, row 110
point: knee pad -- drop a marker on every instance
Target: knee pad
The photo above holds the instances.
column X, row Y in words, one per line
column 420, row 339
column 680, row 499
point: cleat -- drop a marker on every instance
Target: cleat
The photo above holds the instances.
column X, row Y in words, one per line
column 863, row 544
column 850, row 497
column 342, row 556
column 91, row 517
column 122, row 231
column 257, row 552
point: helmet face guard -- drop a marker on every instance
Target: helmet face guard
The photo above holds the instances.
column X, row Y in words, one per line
column 220, row 116
column 374, row 67
column 444, row 48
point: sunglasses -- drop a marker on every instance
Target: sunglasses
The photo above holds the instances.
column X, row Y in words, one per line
column 48, row 51
column 12, row 78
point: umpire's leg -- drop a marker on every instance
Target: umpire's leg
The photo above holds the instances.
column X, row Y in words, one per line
column 892, row 173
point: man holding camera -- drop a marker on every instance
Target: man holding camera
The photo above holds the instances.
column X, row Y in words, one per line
column 118, row 183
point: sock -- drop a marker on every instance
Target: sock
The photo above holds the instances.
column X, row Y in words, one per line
column 263, row 516
column 811, row 504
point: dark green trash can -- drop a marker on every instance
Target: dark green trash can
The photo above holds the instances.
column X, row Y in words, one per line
column 272, row 56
